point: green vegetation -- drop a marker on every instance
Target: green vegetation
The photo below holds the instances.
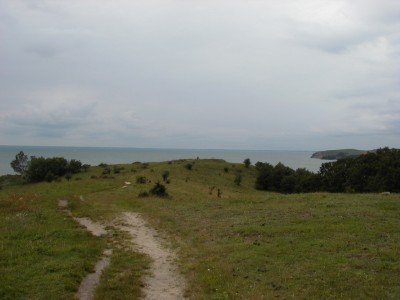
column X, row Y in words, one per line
column 238, row 179
column 247, row 162
column 44, row 169
column 158, row 190
column 165, row 176
column 377, row 171
column 232, row 241
column 20, row 163
column 338, row 154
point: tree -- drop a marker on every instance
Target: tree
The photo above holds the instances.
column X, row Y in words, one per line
column 74, row 166
column 247, row 162
column 20, row 163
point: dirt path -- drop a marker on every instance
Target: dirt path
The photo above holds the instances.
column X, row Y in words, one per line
column 91, row 281
column 164, row 281
column 94, row 228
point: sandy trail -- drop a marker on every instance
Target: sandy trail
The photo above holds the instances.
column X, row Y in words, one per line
column 92, row 280
column 164, row 281
column 94, row 228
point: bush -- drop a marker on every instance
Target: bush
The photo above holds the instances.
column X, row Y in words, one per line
column 106, row 170
column 38, row 168
column 85, row 167
column 165, row 175
column 247, row 162
column 238, row 179
column 141, row 179
column 159, row 190
column 117, row 169
column 189, row 166
column 68, row 176
column 50, row 177
column 143, row 194
column 74, row 166
column 226, row 170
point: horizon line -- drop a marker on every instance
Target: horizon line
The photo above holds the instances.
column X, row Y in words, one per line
column 160, row 148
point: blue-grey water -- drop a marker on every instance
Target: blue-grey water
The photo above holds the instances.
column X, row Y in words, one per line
column 96, row 155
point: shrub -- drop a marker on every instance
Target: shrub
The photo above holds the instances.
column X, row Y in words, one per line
column 143, row 194
column 189, row 166
column 165, row 175
column 226, row 170
column 103, row 165
column 50, row 177
column 238, row 179
column 117, row 169
column 85, row 167
column 247, row 162
column 39, row 167
column 141, row 179
column 74, row 166
column 106, row 170
column 159, row 190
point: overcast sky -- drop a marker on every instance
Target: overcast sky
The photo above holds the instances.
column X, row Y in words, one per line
column 296, row 75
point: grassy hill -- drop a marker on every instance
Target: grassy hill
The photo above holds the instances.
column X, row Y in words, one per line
column 243, row 244
column 337, row 154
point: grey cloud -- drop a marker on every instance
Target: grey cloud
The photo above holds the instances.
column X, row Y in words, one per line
column 218, row 74
column 43, row 50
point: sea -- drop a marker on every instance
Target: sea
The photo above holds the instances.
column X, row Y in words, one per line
column 113, row 155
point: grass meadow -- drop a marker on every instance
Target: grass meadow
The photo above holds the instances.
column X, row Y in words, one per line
column 238, row 243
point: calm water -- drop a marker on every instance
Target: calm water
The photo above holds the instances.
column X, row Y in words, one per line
column 96, row 155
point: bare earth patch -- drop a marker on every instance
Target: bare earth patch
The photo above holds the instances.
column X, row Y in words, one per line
column 94, row 228
column 90, row 282
column 164, row 281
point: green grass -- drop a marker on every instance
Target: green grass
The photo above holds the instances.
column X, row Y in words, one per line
column 246, row 244
column 123, row 279
column 42, row 253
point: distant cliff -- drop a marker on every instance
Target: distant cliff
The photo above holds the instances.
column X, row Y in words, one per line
column 337, row 154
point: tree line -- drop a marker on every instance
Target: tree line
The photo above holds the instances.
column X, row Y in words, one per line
column 36, row 169
column 371, row 172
